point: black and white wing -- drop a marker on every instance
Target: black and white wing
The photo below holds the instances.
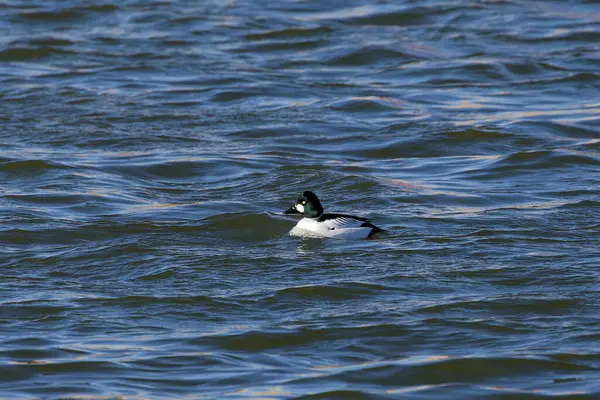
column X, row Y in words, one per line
column 348, row 223
column 341, row 221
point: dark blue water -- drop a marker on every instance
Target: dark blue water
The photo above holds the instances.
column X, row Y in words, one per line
column 148, row 149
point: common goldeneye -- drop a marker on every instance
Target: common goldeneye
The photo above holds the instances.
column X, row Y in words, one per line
column 316, row 223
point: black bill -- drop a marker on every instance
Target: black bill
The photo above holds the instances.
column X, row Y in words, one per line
column 291, row 210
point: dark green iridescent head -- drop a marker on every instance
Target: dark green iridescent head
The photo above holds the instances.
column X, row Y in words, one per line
column 308, row 205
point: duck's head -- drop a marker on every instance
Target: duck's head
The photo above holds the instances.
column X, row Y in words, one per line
column 308, row 205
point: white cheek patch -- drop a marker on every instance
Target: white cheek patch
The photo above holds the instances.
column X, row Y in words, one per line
column 300, row 208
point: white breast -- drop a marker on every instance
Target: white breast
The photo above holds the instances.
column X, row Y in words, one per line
column 343, row 228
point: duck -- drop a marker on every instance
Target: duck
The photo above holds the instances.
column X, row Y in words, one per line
column 317, row 223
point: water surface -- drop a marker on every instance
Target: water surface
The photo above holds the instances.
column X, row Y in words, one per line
column 149, row 148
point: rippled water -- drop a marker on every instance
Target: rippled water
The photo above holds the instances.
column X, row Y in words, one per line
column 149, row 148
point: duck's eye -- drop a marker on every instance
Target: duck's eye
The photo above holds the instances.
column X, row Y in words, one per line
column 303, row 201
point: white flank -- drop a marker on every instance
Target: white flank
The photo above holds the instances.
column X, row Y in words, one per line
column 308, row 227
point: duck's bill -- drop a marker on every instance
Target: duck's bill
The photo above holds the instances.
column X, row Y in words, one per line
column 291, row 210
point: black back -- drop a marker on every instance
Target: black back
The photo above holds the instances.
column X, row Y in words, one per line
column 327, row 216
